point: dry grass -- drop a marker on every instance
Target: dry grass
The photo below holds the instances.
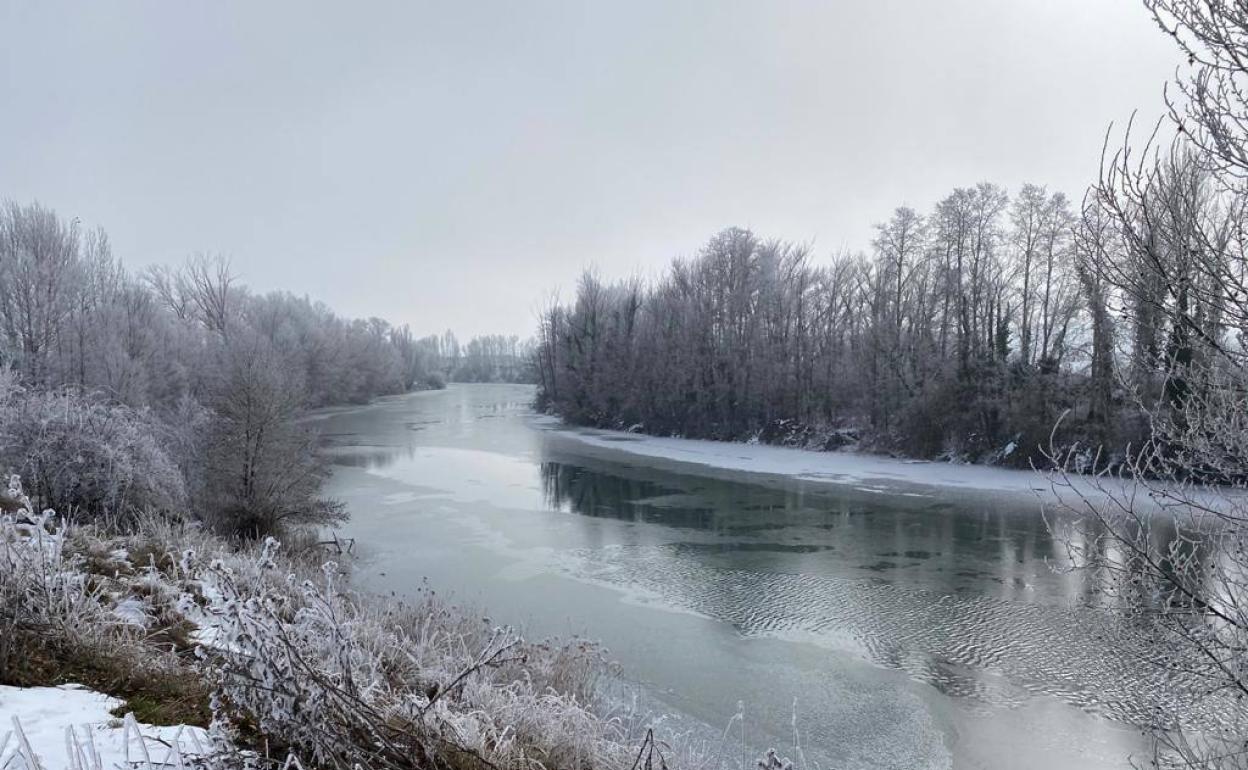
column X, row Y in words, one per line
column 277, row 653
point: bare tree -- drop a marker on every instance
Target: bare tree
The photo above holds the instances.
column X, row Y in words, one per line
column 1164, row 232
column 1094, row 242
column 185, row 366
column 171, row 288
column 39, row 272
column 263, row 473
column 208, row 281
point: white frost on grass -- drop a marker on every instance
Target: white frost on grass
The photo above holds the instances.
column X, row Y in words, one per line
column 207, row 619
column 73, row 727
column 132, row 610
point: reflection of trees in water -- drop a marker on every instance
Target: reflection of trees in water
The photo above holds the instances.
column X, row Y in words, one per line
column 1128, row 579
column 600, row 495
column 972, row 598
column 897, row 540
column 986, row 547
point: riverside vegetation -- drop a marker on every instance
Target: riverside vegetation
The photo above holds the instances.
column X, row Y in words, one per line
column 1103, row 338
column 161, row 417
column 162, row 414
column 277, row 658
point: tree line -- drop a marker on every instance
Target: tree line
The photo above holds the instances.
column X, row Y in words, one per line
column 1105, row 339
column 174, row 389
column 965, row 331
column 486, row 358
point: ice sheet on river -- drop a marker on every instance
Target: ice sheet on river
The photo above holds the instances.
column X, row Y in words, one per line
column 987, row 652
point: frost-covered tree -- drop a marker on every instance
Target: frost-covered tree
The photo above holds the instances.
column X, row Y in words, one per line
column 150, row 364
column 261, row 471
column 955, row 334
column 1164, row 234
column 495, row 358
column 39, row 273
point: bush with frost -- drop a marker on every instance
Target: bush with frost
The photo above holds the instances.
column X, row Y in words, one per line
column 86, row 457
column 296, row 661
column 43, row 591
column 288, row 660
column 351, row 680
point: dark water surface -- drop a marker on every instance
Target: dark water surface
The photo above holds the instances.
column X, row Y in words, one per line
column 904, row 631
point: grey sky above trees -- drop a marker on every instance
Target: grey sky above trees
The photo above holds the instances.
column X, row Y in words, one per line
column 447, row 165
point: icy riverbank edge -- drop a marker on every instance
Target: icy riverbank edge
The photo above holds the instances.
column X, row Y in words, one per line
column 837, row 466
column 861, row 471
column 274, row 657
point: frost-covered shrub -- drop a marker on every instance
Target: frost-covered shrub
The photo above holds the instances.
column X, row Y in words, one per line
column 69, row 615
column 357, row 680
column 84, row 456
column 296, row 661
column 43, row 590
column 433, row 381
column 261, row 473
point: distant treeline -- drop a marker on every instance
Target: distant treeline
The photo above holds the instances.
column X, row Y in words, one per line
column 965, row 332
column 486, row 358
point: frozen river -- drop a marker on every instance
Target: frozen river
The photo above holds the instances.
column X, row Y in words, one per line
column 904, row 626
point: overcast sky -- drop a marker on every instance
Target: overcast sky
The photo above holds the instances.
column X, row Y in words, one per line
column 449, row 164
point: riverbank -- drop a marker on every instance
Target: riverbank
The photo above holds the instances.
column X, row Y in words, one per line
column 866, row 472
column 927, row 632
column 168, row 643
column 874, row 474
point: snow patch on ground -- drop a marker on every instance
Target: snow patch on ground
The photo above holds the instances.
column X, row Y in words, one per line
column 55, row 721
